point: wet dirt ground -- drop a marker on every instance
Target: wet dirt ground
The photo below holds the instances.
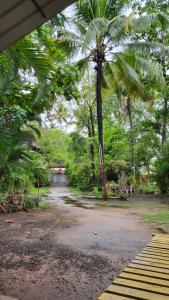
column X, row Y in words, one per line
column 66, row 252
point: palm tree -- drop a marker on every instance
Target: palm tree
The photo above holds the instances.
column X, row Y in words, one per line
column 102, row 34
column 24, row 58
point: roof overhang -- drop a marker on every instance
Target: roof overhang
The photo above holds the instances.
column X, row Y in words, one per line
column 20, row 17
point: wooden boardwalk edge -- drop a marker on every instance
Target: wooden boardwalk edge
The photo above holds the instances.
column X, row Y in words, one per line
column 146, row 277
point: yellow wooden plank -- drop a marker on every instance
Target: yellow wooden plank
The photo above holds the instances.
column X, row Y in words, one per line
column 143, row 272
column 148, row 268
column 144, row 278
column 161, row 240
column 161, row 235
column 158, row 237
column 157, row 245
column 163, row 254
column 149, row 263
column 158, row 249
column 166, row 237
column 160, row 261
column 155, row 250
column 151, row 255
column 142, row 286
column 135, row 293
column 160, row 243
column 107, row 296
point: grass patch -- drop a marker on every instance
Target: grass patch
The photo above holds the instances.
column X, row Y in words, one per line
column 43, row 205
column 75, row 191
column 149, row 188
column 113, row 203
column 157, row 219
column 32, row 199
column 33, row 191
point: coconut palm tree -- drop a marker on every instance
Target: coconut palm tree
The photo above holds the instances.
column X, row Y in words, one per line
column 100, row 35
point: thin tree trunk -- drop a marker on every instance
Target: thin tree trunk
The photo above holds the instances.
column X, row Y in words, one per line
column 102, row 181
column 38, row 192
column 91, row 152
column 165, row 116
column 165, row 103
column 129, row 112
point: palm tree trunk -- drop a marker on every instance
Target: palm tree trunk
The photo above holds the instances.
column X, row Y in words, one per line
column 165, row 116
column 91, row 152
column 165, row 105
column 129, row 112
column 92, row 144
column 102, row 180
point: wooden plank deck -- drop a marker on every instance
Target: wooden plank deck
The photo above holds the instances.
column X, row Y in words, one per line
column 146, row 277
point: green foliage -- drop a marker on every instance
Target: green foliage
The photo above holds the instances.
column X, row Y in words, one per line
column 95, row 192
column 54, row 143
column 148, row 188
column 30, row 203
column 162, row 169
column 122, row 195
column 43, row 205
column 80, row 174
column 43, row 190
column 37, row 78
column 157, row 218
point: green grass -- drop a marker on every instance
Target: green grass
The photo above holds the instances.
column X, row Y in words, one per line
column 43, row 205
column 32, row 199
column 157, row 219
column 148, row 188
column 113, row 203
column 33, row 191
column 75, row 191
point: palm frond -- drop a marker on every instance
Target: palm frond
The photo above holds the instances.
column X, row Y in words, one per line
column 129, row 79
column 118, row 29
column 144, row 47
column 95, row 33
column 145, row 21
column 31, row 56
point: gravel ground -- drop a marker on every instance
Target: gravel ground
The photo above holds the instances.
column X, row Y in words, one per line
column 65, row 252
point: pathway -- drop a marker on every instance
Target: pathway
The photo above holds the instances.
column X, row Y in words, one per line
column 67, row 252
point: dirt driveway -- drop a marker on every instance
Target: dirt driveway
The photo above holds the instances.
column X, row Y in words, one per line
column 65, row 252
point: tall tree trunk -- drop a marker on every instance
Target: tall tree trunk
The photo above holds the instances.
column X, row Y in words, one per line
column 102, row 180
column 92, row 144
column 165, row 103
column 165, row 117
column 129, row 112
column 91, row 151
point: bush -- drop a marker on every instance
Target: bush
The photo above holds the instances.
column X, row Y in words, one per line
column 30, row 203
column 43, row 205
column 114, row 167
column 162, row 170
column 95, row 192
column 123, row 196
column 148, row 188
column 80, row 175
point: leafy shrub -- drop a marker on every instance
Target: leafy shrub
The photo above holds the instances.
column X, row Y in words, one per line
column 122, row 195
column 80, row 174
column 148, row 188
column 95, row 192
column 2, row 198
column 30, row 203
column 114, row 167
column 162, row 169
column 43, row 205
